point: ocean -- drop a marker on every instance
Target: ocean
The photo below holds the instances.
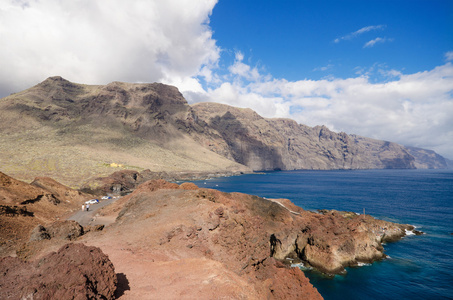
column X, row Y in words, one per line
column 417, row 267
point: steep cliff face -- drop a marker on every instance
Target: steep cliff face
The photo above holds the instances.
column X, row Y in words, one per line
column 269, row 144
column 427, row 159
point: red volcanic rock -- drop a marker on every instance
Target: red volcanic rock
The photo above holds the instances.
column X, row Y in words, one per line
column 188, row 186
column 23, row 206
column 14, row 192
column 175, row 225
column 284, row 282
column 66, row 230
column 76, row 271
column 156, row 184
column 59, row 190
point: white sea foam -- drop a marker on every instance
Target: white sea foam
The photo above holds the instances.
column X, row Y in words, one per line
column 301, row 266
column 361, row 264
column 409, row 232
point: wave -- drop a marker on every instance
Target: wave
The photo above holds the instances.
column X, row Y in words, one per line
column 409, row 232
column 301, row 266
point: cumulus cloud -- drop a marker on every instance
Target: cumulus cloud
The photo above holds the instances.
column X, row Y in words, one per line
column 99, row 41
column 361, row 31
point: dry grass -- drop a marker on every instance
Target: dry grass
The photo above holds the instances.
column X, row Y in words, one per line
column 74, row 157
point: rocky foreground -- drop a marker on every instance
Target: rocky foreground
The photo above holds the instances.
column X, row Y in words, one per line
column 169, row 241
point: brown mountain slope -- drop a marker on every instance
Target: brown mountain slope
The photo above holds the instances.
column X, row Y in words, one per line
column 75, row 132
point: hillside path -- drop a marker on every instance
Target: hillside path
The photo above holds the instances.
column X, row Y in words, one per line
column 86, row 218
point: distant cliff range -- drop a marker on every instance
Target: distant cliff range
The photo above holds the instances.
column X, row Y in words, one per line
column 74, row 132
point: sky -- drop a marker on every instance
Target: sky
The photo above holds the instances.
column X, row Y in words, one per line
column 377, row 68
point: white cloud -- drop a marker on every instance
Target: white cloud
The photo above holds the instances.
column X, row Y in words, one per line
column 375, row 41
column 99, row 41
column 324, row 68
column 361, row 31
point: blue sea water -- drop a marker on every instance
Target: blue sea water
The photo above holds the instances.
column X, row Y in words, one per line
column 418, row 267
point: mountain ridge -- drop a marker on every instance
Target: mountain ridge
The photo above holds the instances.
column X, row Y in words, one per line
column 76, row 132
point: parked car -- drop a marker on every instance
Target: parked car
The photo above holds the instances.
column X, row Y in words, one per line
column 106, row 197
column 92, row 201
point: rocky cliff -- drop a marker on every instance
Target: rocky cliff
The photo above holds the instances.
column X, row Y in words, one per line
column 282, row 144
column 74, row 132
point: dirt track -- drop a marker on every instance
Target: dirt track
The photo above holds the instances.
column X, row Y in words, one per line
column 90, row 217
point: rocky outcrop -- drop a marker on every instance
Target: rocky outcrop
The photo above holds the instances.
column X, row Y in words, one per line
column 251, row 228
column 73, row 272
column 334, row 240
column 23, row 206
column 67, row 230
column 125, row 181
column 224, row 233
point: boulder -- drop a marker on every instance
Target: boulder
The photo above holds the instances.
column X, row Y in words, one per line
column 75, row 271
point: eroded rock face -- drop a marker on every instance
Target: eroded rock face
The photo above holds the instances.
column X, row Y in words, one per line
column 282, row 144
column 333, row 240
column 23, row 206
column 73, row 272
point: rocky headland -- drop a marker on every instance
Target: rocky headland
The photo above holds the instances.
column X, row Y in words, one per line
column 179, row 241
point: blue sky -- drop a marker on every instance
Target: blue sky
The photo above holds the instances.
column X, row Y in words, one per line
column 296, row 39
column 380, row 69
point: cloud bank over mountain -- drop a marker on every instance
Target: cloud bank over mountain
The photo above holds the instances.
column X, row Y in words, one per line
column 96, row 42
column 102, row 41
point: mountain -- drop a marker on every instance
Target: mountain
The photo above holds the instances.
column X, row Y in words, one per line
column 270, row 144
column 427, row 159
column 76, row 132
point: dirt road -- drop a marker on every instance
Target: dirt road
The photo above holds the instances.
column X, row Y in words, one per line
column 90, row 217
